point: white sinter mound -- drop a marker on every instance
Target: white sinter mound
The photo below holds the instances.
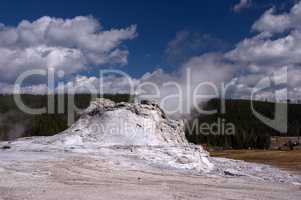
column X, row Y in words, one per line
column 133, row 134
column 106, row 123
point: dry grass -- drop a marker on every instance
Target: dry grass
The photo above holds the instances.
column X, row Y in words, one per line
column 288, row 160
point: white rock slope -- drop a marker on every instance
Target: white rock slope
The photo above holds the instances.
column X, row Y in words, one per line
column 106, row 123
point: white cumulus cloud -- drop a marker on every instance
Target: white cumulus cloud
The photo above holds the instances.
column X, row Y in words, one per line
column 63, row 44
column 241, row 5
column 278, row 23
column 276, row 45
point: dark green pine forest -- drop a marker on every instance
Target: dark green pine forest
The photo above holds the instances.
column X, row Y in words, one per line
column 250, row 132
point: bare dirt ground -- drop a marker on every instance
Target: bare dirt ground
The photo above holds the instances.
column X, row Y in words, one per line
column 287, row 160
column 89, row 178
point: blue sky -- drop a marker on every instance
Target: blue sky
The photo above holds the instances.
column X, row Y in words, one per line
column 229, row 41
column 157, row 22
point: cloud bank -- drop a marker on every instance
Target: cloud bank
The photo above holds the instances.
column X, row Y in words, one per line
column 273, row 48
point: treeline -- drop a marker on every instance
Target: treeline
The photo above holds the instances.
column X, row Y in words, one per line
column 249, row 131
column 15, row 123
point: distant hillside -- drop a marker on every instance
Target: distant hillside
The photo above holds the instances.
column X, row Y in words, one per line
column 249, row 131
